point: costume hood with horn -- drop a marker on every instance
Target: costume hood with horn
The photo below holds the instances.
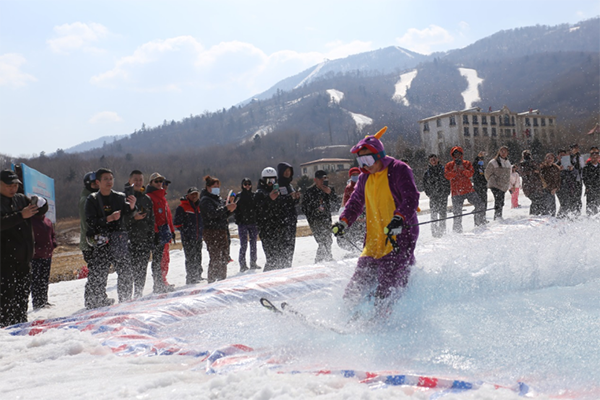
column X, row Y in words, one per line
column 388, row 192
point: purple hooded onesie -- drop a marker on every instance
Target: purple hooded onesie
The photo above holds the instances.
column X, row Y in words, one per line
column 391, row 191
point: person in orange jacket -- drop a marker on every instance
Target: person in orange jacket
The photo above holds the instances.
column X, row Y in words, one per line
column 459, row 173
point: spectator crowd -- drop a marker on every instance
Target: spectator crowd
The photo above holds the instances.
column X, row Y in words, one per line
column 129, row 229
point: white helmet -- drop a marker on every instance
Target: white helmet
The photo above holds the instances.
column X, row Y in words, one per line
column 268, row 172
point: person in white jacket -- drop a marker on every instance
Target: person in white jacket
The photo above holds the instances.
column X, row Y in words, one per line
column 515, row 185
column 497, row 174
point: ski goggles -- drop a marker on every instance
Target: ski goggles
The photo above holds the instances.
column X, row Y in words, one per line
column 366, row 160
column 271, row 180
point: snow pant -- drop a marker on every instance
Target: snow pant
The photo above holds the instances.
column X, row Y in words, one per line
column 592, row 203
column 140, row 256
column 537, row 203
column 384, row 276
column 457, row 205
column 158, row 250
column 439, row 210
column 164, row 263
column 279, row 246
column 116, row 252
column 247, row 233
column 498, row 202
column 547, row 203
column 193, row 260
column 570, row 198
column 514, row 198
column 217, row 244
column 323, row 236
column 40, row 279
column 14, row 291
column 482, row 192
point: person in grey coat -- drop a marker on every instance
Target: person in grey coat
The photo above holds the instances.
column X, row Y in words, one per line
column 497, row 174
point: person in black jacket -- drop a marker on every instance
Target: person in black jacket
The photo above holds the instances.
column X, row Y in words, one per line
column 317, row 202
column 17, row 248
column 215, row 212
column 479, row 179
column 140, row 229
column 437, row 188
column 591, row 179
column 245, row 218
column 105, row 212
column 188, row 220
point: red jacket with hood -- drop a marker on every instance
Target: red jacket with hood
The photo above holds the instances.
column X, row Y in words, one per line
column 459, row 177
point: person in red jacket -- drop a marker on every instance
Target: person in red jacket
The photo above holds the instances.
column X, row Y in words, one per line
column 459, row 173
column 164, row 231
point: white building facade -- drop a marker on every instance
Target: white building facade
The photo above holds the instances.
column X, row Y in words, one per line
column 326, row 164
column 474, row 129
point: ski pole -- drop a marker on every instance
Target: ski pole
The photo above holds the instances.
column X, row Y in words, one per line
column 352, row 243
column 454, row 216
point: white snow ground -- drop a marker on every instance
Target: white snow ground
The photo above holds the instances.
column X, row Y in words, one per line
column 517, row 301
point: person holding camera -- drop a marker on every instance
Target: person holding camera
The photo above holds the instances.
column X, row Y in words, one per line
column 105, row 212
column 387, row 190
column 140, row 227
column 459, row 173
column 317, row 203
column 17, row 248
column 215, row 213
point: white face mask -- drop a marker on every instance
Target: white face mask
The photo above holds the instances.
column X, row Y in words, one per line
column 216, row 191
column 354, row 178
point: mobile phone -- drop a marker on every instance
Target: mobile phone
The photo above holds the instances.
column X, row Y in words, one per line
column 128, row 190
column 276, row 186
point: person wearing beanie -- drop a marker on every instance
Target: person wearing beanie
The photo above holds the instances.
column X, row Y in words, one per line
column 386, row 189
column 459, row 173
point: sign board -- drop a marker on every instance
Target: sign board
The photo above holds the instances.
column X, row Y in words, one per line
column 38, row 184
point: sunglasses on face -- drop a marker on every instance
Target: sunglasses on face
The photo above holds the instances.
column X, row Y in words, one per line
column 159, row 181
column 366, row 160
column 271, row 180
column 595, row 153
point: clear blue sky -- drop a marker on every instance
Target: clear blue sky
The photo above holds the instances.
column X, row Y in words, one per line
column 75, row 70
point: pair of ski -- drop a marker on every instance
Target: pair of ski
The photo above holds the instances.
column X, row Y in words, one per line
column 286, row 309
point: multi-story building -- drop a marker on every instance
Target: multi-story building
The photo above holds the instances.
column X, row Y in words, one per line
column 474, row 129
column 326, row 164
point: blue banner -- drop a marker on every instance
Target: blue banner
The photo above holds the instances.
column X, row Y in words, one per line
column 38, row 184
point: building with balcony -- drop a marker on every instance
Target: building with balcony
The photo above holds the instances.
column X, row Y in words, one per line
column 474, row 130
column 326, row 164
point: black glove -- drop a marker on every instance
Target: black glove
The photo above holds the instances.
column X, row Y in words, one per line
column 395, row 226
column 339, row 228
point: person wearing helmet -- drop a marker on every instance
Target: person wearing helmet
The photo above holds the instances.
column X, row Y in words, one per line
column 273, row 219
column 386, row 189
column 89, row 186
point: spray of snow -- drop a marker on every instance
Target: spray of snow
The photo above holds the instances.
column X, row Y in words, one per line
column 402, row 87
column 471, row 94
